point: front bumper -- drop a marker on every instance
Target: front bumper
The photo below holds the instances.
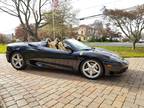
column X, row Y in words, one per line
column 116, row 67
column 7, row 56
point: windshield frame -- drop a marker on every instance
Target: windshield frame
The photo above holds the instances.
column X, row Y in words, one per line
column 79, row 47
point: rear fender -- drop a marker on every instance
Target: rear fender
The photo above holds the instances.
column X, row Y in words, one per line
column 14, row 51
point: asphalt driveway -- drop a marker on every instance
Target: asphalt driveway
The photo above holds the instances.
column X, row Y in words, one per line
column 44, row 88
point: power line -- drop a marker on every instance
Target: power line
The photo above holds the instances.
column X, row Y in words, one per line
column 100, row 5
column 97, row 15
column 116, row 1
column 87, row 17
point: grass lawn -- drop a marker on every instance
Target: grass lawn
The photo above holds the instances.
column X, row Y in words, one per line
column 126, row 51
column 123, row 51
column 2, row 48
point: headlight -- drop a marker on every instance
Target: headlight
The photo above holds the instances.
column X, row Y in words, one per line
column 116, row 58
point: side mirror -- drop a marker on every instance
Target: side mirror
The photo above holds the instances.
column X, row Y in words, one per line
column 68, row 48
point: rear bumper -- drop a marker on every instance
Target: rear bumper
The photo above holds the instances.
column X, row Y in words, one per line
column 8, row 53
column 116, row 67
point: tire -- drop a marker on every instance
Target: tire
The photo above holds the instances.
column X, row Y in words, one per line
column 18, row 61
column 91, row 69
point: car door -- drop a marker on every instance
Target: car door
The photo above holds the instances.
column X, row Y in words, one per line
column 57, row 58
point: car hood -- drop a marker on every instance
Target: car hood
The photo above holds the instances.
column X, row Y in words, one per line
column 105, row 52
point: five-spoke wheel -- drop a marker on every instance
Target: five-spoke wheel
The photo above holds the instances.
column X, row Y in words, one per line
column 18, row 61
column 92, row 69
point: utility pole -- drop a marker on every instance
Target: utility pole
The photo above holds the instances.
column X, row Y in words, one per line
column 54, row 7
column 54, row 4
column 53, row 23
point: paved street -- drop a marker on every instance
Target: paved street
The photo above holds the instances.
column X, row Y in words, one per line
column 127, row 44
column 43, row 88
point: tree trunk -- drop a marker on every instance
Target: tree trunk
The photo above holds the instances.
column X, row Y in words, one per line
column 34, row 36
column 134, row 45
column 26, row 38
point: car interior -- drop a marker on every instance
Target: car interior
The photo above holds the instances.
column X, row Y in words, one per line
column 56, row 44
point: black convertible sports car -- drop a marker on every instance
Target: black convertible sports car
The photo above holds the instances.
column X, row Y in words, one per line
column 91, row 62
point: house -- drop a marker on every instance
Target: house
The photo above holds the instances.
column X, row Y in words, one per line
column 9, row 36
column 84, row 32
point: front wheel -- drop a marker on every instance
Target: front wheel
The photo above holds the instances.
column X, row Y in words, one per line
column 92, row 69
column 17, row 61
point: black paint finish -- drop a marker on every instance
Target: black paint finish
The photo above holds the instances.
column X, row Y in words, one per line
column 37, row 53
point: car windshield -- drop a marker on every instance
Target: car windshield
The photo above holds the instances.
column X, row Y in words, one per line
column 79, row 45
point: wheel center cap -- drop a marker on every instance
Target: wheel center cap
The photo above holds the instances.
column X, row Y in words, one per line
column 91, row 69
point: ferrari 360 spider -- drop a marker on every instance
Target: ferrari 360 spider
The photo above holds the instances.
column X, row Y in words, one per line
column 74, row 56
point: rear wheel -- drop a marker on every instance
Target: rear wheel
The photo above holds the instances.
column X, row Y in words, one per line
column 92, row 69
column 17, row 61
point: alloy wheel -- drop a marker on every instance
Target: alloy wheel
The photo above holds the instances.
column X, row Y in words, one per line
column 91, row 69
column 17, row 60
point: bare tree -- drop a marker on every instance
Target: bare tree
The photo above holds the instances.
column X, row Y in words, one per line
column 28, row 12
column 131, row 23
column 97, row 29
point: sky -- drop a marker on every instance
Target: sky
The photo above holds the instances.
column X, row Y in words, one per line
column 86, row 8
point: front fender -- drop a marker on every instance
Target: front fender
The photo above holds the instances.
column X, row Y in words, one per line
column 82, row 56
